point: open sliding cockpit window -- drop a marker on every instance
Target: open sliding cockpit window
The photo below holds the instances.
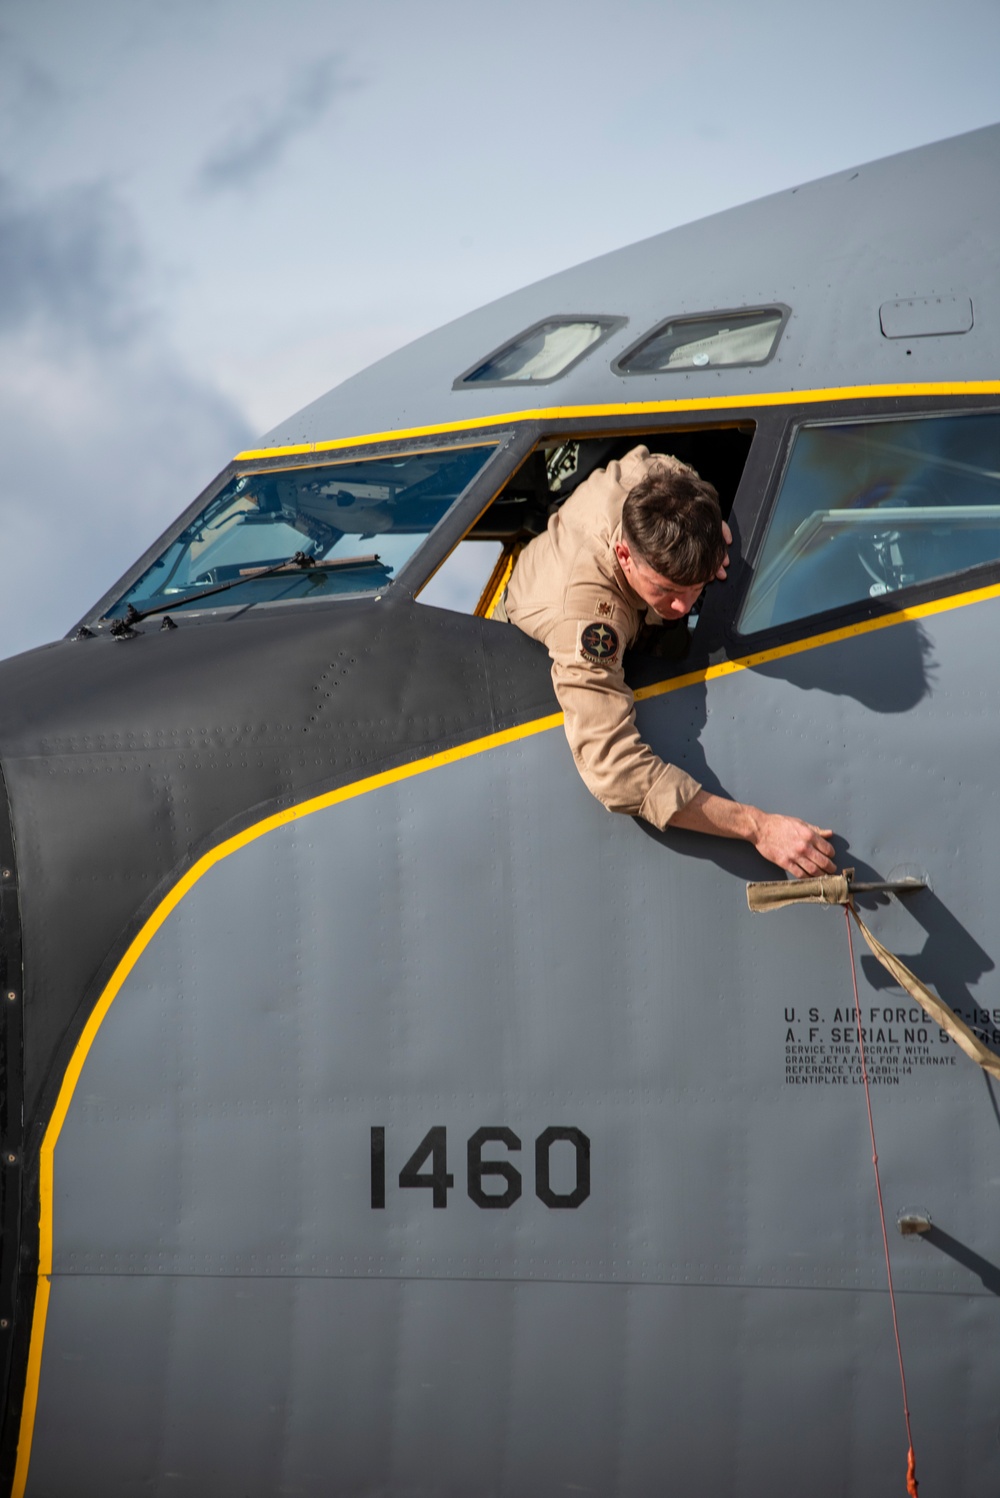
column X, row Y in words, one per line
column 473, row 576
column 867, row 508
column 323, row 530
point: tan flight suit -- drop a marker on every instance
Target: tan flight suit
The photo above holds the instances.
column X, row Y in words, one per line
column 568, row 591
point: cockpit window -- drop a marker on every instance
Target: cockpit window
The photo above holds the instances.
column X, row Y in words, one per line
column 712, row 340
column 868, row 508
column 541, row 353
column 331, row 529
column 472, row 578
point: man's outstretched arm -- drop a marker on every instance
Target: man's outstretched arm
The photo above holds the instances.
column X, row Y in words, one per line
column 796, row 846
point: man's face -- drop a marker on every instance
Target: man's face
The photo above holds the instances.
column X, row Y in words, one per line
column 670, row 600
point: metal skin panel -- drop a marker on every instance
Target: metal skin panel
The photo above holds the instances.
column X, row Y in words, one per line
column 484, row 945
column 574, row 1375
column 122, row 759
column 917, row 225
column 926, row 317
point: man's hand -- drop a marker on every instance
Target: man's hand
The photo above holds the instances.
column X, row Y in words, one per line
column 727, row 536
column 798, row 847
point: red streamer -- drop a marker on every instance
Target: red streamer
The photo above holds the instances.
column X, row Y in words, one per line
column 911, row 1461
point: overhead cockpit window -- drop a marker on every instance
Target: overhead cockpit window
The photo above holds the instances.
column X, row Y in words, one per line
column 868, row 508
column 316, row 532
column 542, row 352
column 712, row 340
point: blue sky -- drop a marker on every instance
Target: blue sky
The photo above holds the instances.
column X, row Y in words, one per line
column 213, row 210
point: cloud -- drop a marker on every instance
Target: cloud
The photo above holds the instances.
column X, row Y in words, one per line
column 253, row 148
column 70, row 260
column 28, row 85
column 105, row 436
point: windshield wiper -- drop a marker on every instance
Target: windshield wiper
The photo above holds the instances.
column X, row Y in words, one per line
column 122, row 628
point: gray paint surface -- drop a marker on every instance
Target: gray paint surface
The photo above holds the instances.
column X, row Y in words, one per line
column 485, row 945
column 421, row 1387
column 923, row 224
column 926, row 316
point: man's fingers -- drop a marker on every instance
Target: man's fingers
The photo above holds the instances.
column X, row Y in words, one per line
column 817, row 856
column 808, row 868
column 820, row 842
column 815, row 866
column 800, row 848
column 806, row 851
column 727, row 536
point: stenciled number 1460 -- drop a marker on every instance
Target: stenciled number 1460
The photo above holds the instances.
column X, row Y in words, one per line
column 427, row 1167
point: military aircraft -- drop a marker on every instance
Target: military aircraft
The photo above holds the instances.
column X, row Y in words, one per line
column 382, row 1116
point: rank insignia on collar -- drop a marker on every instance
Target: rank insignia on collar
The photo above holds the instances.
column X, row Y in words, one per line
column 605, row 608
column 599, row 643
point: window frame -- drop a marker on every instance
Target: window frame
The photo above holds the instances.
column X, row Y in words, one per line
column 618, row 364
column 755, row 479
column 609, row 322
column 507, row 444
column 757, row 522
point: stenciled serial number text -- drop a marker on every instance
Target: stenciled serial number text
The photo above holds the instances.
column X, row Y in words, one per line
column 900, row 1041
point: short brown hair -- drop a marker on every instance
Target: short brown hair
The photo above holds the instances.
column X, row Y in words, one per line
column 671, row 519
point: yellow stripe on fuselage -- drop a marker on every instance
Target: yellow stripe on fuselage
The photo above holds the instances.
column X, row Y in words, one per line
column 813, row 642
column 632, row 408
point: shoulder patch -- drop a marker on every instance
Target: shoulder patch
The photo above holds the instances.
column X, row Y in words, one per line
column 599, row 644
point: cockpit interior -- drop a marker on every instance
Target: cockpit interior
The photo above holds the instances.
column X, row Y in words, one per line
column 472, row 576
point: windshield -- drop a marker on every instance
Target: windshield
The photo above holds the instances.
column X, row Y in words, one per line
column 343, row 527
column 868, row 508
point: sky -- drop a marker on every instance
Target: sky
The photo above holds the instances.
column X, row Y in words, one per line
column 212, row 211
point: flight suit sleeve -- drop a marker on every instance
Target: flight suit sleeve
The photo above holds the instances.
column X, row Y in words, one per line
column 599, row 712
